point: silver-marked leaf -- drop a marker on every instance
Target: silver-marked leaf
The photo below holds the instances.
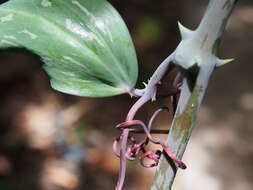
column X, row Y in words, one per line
column 85, row 44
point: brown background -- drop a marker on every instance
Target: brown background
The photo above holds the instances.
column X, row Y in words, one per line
column 53, row 141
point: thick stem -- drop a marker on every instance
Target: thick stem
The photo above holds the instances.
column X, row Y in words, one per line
column 205, row 37
column 214, row 22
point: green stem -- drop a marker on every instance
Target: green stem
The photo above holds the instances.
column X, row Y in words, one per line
column 199, row 46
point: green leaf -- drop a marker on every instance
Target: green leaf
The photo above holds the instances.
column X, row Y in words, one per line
column 85, row 44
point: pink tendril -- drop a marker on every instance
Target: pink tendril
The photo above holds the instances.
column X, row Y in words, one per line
column 127, row 147
column 153, row 155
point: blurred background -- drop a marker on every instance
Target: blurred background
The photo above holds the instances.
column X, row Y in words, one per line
column 54, row 141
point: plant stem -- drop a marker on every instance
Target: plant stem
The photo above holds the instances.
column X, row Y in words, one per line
column 200, row 48
column 146, row 95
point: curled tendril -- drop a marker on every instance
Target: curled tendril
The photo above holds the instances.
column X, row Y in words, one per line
column 127, row 147
column 134, row 148
column 137, row 123
column 153, row 155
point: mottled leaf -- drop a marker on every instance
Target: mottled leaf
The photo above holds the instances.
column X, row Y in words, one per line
column 85, row 45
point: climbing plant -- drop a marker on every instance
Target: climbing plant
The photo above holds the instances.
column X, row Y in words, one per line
column 87, row 51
